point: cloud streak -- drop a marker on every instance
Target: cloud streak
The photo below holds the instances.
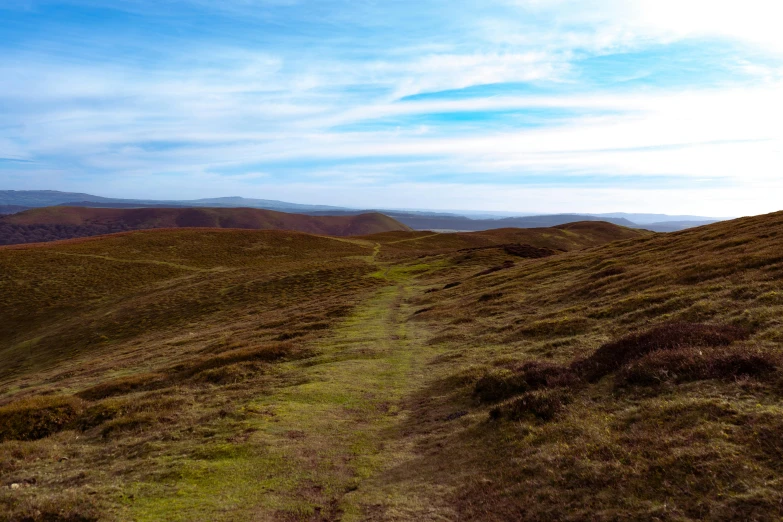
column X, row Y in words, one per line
column 348, row 101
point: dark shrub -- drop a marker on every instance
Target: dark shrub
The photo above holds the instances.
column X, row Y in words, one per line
column 497, row 386
column 541, row 404
column 452, row 285
column 287, row 336
column 38, row 417
column 490, row 297
column 695, row 364
column 97, row 414
column 528, row 251
column 546, row 375
column 612, row 356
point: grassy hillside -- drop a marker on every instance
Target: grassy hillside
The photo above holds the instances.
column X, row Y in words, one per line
column 51, row 223
column 582, row 372
column 568, row 416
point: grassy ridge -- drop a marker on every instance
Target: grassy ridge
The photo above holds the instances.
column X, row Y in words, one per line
column 536, row 375
column 52, row 223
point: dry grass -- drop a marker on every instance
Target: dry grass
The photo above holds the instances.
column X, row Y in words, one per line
column 287, row 377
column 636, row 381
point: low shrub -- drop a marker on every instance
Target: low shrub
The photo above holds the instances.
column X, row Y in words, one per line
column 547, row 375
column 490, row 296
column 100, row 413
column 502, row 384
column 38, row 417
column 123, row 385
column 540, row 404
column 612, row 356
column 527, row 251
column 498, row 385
column 695, row 364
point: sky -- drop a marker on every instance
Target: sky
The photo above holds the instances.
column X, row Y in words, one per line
column 530, row 106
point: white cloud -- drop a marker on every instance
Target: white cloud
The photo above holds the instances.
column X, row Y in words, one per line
column 609, row 23
column 215, row 109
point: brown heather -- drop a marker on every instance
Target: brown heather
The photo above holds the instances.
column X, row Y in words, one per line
column 583, row 372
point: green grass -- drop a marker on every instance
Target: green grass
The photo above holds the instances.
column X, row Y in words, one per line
column 315, row 442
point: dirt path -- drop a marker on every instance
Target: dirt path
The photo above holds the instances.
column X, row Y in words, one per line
column 413, row 239
column 317, row 446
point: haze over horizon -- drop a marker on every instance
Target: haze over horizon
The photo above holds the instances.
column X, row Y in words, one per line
column 503, row 105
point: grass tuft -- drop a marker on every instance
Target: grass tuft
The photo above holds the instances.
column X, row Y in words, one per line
column 38, row 417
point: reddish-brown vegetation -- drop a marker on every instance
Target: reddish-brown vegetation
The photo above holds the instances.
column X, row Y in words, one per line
column 612, row 356
column 55, row 223
column 695, row 364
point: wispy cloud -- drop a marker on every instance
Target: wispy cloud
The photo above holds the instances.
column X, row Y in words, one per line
column 540, row 103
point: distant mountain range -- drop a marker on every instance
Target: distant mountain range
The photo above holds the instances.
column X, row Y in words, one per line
column 13, row 201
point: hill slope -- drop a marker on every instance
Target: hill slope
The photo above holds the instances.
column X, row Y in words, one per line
column 587, row 372
column 66, row 222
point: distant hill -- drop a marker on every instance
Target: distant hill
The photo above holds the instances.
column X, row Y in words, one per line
column 447, row 222
column 11, row 209
column 655, row 219
column 563, row 238
column 676, row 226
column 53, row 223
column 416, row 219
column 47, row 198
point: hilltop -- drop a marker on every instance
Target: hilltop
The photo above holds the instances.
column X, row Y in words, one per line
column 50, row 223
column 587, row 371
column 453, row 220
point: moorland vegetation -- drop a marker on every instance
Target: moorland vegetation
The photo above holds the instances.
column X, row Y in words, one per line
column 585, row 371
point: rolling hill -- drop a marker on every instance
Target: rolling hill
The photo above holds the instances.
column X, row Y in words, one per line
column 49, row 223
column 584, row 372
column 417, row 219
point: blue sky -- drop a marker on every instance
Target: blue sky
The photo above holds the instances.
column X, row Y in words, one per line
column 509, row 105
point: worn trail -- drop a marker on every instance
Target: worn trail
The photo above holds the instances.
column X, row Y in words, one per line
column 317, row 446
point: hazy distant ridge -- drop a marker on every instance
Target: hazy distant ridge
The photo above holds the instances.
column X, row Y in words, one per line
column 416, row 219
